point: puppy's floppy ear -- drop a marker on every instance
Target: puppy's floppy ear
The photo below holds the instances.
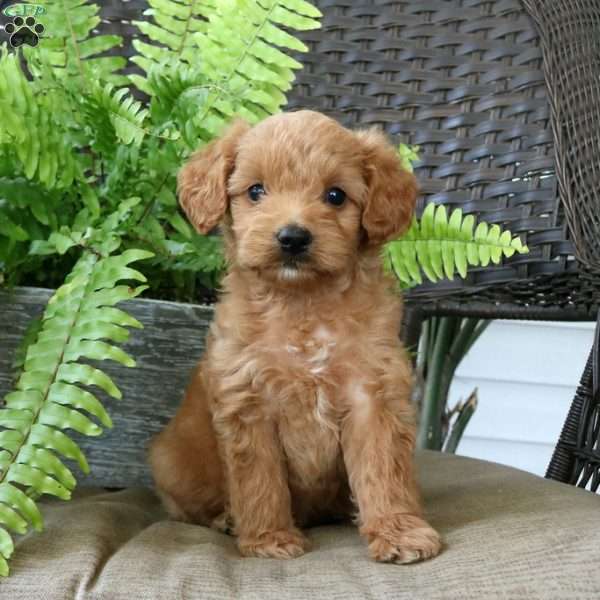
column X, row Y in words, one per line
column 391, row 190
column 202, row 182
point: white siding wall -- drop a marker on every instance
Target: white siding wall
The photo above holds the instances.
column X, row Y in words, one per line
column 526, row 373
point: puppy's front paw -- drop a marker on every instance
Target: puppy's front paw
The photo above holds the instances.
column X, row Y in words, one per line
column 275, row 544
column 402, row 539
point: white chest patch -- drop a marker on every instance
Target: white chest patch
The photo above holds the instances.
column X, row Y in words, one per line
column 359, row 400
column 315, row 355
column 316, row 351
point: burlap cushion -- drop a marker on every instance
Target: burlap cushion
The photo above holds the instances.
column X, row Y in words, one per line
column 508, row 535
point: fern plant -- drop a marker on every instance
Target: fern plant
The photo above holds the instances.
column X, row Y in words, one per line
column 87, row 186
column 439, row 246
column 74, row 144
column 80, row 322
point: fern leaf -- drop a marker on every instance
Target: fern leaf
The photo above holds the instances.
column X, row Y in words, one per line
column 12, row 519
column 70, row 48
column 114, row 118
column 68, row 394
column 440, row 246
column 16, row 498
column 245, row 69
column 29, row 337
column 54, row 439
column 171, row 33
column 250, row 59
column 48, row 401
column 27, row 128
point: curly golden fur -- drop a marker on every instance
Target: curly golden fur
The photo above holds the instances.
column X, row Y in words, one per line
column 299, row 411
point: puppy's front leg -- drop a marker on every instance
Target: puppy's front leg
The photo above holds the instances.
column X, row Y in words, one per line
column 378, row 441
column 259, row 495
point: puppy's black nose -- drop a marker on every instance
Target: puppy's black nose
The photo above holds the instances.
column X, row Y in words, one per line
column 294, row 239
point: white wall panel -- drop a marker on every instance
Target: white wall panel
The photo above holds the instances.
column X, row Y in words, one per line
column 526, row 373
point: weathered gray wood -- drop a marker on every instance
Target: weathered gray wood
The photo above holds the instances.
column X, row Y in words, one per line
column 165, row 351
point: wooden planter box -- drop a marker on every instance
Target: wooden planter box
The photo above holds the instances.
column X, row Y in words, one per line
column 165, row 351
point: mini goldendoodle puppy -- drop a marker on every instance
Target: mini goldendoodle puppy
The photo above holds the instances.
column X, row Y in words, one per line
column 299, row 411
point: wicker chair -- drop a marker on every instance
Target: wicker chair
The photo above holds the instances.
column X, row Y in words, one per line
column 503, row 98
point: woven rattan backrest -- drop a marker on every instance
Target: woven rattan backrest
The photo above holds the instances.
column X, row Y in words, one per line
column 475, row 84
column 570, row 39
column 463, row 80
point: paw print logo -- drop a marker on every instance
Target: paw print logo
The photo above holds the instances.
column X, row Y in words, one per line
column 24, row 31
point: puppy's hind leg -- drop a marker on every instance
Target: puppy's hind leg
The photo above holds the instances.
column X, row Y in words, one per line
column 224, row 523
column 185, row 462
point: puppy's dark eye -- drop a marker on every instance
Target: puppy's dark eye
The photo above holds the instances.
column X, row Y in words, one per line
column 256, row 191
column 335, row 196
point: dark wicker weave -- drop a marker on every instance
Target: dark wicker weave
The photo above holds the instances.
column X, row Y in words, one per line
column 576, row 456
column 466, row 81
column 503, row 98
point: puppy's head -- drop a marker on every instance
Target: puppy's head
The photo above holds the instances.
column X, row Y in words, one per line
column 300, row 196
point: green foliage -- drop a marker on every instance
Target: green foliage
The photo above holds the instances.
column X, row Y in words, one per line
column 86, row 170
column 408, row 155
column 444, row 342
column 75, row 145
column 121, row 118
column 170, row 25
column 29, row 137
column 70, row 49
column 244, row 69
column 79, row 323
column 439, row 246
column 31, row 332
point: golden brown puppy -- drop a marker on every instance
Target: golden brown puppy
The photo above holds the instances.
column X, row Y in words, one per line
column 300, row 406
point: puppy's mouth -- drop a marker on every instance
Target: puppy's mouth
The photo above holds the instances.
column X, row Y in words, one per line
column 293, row 267
column 295, row 262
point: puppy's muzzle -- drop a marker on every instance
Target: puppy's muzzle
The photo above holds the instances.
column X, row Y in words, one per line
column 294, row 241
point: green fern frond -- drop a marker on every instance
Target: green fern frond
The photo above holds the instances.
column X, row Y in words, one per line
column 243, row 52
column 115, row 116
column 30, row 128
column 169, row 83
column 244, row 68
column 408, row 155
column 29, row 337
column 170, row 30
column 126, row 115
column 439, row 246
column 178, row 94
column 80, row 322
column 70, row 47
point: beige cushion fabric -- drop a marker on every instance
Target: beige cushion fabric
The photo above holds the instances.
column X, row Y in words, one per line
column 508, row 535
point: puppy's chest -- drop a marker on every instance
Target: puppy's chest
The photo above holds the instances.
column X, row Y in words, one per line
column 314, row 352
column 314, row 367
column 309, row 416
